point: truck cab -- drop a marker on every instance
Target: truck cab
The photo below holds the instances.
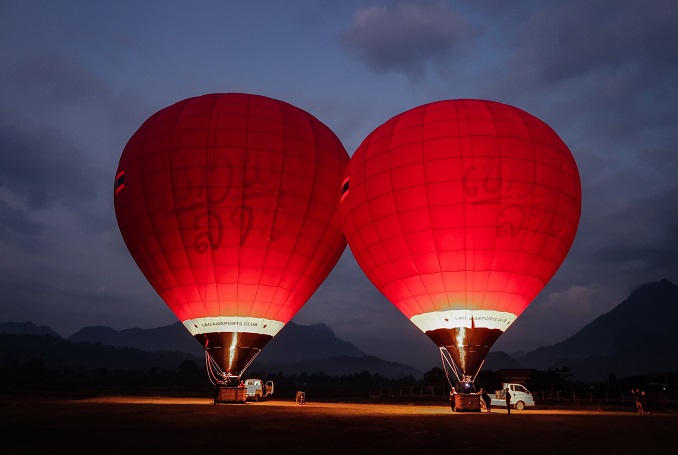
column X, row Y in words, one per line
column 257, row 390
column 520, row 396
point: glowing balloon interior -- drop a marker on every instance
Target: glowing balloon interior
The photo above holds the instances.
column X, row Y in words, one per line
column 460, row 212
column 228, row 203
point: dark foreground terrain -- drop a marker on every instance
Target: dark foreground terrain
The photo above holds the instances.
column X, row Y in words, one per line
column 131, row 425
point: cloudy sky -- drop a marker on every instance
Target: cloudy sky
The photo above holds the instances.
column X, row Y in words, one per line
column 77, row 78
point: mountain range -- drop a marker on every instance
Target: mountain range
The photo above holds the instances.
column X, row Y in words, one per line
column 296, row 349
column 638, row 336
column 634, row 338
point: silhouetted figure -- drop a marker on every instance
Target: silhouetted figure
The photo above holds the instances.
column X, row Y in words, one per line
column 486, row 399
column 217, row 387
column 639, row 401
column 508, row 401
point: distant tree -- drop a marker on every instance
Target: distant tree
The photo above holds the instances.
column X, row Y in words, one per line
column 36, row 368
column 550, row 380
column 188, row 368
column 436, row 378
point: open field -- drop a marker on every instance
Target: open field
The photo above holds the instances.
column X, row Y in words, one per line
column 194, row 425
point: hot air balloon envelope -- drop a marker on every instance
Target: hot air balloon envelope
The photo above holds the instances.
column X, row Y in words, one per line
column 228, row 203
column 460, row 212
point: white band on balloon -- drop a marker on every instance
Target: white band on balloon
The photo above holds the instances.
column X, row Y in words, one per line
column 217, row 324
column 451, row 319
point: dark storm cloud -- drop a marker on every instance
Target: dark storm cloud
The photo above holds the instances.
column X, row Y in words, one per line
column 405, row 36
column 617, row 63
column 17, row 227
column 55, row 92
column 42, row 166
column 574, row 37
column 47, row 125
column 52, row 80
column 651, row 243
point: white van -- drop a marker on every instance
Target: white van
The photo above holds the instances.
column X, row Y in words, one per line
column 257, row 390
column 520, row 396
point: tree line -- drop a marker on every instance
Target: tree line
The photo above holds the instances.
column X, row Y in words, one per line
column 189, row 378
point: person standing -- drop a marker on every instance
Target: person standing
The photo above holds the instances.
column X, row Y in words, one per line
column 452, row 397
column 508, row 401
column 639, row 401
column 217, row 387
column 486, row 399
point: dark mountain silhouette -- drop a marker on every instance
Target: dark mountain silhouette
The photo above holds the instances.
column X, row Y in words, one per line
column 26, row 328
column 636, row 337
column 54, row 351
column 173, row 337
column 292, row 344
column 296, row 349
column 295, row 343
column 500, row 360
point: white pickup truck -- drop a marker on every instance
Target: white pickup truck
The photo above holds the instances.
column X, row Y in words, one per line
column 520, row 396
column 257, row 390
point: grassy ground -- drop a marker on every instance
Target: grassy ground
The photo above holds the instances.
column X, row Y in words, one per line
column 137, row 424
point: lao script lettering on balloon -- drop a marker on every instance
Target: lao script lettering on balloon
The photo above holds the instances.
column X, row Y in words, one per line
column 492, row 183
column 206, row 191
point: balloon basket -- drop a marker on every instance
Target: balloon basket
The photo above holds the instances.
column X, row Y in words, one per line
column 230, row 394
column 465, row 402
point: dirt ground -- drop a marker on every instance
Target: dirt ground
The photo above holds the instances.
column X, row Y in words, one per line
column 132, row 425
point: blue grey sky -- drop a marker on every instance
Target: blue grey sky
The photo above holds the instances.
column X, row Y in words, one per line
column 77, row 78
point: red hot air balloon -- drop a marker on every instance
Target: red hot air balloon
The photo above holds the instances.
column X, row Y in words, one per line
column 460, row 212
column 228, row 203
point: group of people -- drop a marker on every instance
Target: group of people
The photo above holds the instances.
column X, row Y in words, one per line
column 641, row 401
column 486, row 400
